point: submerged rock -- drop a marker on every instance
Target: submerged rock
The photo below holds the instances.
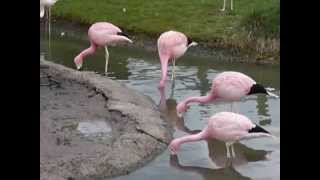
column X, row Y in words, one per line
column 94, row 127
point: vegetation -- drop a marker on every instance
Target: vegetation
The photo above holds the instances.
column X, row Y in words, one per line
column 252, row 21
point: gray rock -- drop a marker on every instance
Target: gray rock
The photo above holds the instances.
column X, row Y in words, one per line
column 94, row 127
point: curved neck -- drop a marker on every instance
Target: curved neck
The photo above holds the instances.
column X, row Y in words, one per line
column 194, row 137
column 200, row 99
column 164, row 69
column 90, row 50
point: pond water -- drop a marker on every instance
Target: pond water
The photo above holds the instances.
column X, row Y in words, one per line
column 139, row 69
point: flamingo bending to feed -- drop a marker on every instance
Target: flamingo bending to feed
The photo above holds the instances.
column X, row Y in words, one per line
column 226, row 86
column 101, row 34
column 171, row 46
column 45, row 3
column 224, row 126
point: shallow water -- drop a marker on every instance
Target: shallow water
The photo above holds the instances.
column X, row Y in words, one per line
column 140, row 69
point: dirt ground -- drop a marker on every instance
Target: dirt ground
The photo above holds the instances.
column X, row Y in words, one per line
column 93, row 127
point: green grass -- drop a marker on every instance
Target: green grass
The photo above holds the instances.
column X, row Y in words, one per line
column 200, row 19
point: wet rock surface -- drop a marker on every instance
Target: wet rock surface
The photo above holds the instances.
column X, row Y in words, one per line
column 93, row 127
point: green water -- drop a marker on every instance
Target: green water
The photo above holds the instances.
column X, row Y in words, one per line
column 140, row 69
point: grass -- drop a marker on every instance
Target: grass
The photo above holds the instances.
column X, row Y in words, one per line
column 200, row 19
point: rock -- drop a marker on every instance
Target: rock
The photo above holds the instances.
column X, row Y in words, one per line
column 94, row 127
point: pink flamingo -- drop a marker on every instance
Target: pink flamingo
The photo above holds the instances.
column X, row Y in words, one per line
column 171, row 46
column 226, row 86
column 224, row 126
column 101, row 34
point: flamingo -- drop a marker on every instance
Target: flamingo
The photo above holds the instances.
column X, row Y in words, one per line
column 224, row 126
column 224, row 5
column 101, row 34
column 46, row 3
column 171, row 46
column 226, row 86
column 43, row 5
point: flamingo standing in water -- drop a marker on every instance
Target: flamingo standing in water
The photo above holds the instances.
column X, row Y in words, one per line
column 171, row 46
column 224, row 126
column 44, row 4
column 101, row 34
column 226, row 86
column 47, row 4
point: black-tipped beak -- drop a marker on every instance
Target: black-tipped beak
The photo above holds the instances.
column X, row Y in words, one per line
column 122, row 34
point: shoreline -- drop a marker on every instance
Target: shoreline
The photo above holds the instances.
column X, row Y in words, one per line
column 223, row 52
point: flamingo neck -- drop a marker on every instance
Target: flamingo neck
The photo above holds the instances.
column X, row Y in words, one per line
column 200, row 99
column 164, row 69
column 90, row 50
column 193, row 137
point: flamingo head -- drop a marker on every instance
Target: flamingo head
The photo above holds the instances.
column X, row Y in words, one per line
column 78, row 61
column 181, row 108
column 258, row 88
column 174, row 146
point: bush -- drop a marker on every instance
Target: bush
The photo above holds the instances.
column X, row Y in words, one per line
column 263, row 22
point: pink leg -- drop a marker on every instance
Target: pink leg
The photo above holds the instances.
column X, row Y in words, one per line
column 232, row 151
column 173, row 76
column 228, row 152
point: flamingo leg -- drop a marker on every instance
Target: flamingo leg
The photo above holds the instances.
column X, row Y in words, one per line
column 173, row 76
column 231, row 4
column 49, row 30
column 224, row 5
column 107, row 59
column 228, row 152
column 49, row 21
column 232, row 151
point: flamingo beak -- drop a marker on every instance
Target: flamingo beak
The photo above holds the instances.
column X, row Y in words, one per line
column 79, row 67
column 179, row 114
column 172, row 151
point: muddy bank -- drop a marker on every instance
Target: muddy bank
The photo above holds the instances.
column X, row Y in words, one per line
column 259, row 51
column 93, row 127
